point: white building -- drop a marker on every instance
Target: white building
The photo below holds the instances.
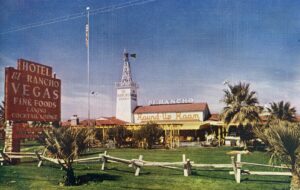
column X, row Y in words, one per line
column 180, row 119
column 126, row 93
column 127, row 108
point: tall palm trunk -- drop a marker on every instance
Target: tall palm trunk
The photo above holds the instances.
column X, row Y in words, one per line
column 70, row 178
column 244, row 144
column 243, row 136
column 295, row 182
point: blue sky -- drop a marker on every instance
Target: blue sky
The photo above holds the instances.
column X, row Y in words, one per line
column 184, row 49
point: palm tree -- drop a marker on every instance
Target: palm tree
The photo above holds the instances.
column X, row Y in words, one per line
column 67, row 144
column 241, row 108
column 282, row 111
column 283, row 141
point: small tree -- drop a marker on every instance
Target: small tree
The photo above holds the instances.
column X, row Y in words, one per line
column 67, row 144
column 283, row 142
column 151, row 133
column 119, row 134
column 99, row 135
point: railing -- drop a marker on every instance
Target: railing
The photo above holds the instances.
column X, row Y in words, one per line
column 238, row 171
column 138, row 163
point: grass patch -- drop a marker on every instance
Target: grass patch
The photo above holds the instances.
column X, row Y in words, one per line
column 119, row 176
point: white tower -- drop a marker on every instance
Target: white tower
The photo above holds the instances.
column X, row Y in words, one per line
column 126, row 92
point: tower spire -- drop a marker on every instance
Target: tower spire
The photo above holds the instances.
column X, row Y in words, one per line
column 126, row 80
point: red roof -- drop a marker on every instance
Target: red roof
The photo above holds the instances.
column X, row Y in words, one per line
column 86, row 122
column 298, row 118
column 65, row 123
column 214, row 117
column 109, row 121
column 265, row 118
column 171, row 108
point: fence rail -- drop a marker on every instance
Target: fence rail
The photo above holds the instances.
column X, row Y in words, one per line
column 138, row 163
column 238, row 171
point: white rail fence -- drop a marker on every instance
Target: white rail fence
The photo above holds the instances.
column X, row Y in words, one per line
column 237, row 165
column 138, row 163
column 7, row 157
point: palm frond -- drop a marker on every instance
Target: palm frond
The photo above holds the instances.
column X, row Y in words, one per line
column 67, row 143
column 282, row 111
column 283, row 141
column 241, row 105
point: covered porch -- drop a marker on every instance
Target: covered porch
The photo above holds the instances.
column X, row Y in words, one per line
column 178, row 134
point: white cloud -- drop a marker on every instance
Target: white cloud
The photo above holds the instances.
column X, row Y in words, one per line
column 6, row 61
column 100, row 105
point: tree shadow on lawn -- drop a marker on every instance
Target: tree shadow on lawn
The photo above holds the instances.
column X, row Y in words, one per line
column 251, row 148
column 226, row 176
column 81, row 179
column 139, row 188
column 96, row 153
column 213, row 174
column 127, row 171
column 51, row 165
column 29, row 161
column 266, row 181
column 21, row 179
column 94, row 177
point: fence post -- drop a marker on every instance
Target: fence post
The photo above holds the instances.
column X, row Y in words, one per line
column 138, row 168
column 5, row 157
column 189, row 167
column 39, row 158
column 238, row 172
column 103, row 160
column 186, row 166
column 234, row 167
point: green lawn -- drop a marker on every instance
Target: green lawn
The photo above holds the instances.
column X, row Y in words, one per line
column 119, row 176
